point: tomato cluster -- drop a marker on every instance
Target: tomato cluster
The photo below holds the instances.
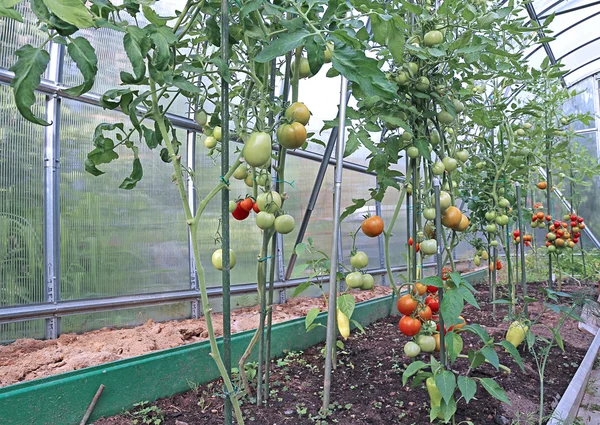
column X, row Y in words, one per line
column 517, row 238
column 292, row 133
column 537, row 220
column 564, row 234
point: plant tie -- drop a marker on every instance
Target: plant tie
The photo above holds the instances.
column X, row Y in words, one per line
column 224, row 181
column 265, row 258
column 291, row 184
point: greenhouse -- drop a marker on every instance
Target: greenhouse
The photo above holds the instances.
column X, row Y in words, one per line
column 299, row 212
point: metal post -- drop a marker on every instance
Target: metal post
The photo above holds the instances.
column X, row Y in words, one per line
column 337, row 191
column 380, row 242
column 415, row 190
column 191, row 193
column 52, row 192
column 226, row 274
column 438, row 256
column 522, row 245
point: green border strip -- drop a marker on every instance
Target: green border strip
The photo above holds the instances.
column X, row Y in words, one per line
column 63, row 399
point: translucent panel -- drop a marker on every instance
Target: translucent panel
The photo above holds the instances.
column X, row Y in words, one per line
column 563, row 6
column 119, row 319
column 584, row 30
column 112, row 58
column 15, row 34
column 116, row 241
column 582, row 103
column 356, row 186
column 10, row 332
column 21, row 204
column 536, row 59
column 303, row 174
column 245, row 237
column 583, row 72
column 398, row 251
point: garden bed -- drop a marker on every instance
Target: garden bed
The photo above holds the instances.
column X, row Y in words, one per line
column 367, row 385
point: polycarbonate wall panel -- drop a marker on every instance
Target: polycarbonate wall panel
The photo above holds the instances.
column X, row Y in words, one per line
column 582, row 103
column 398, row 242
column 116, row 241
column 583, row 72
column 21, row 213
column 15, row 34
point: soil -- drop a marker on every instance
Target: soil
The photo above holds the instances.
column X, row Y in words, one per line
column 367, row 384
column 27, row 359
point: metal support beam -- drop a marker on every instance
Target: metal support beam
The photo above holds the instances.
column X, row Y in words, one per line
column 544, row 14
column 51, row 193
column 191, row 194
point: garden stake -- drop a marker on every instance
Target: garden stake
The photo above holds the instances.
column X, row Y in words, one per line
column 409, row 167
column 90, row 408
column 438, row 256
column 415, row 190
column 331, row 329
column 548, row 189
column 522, row 243
column 225, row 242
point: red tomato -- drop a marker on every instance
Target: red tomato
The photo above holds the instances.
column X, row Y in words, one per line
column 573, row 217
column 425, row 313
column 409, row 326
column 548, row 218
column 410, row 241
column 498, row 265
column 418, row 247
column 446, row 273
column 407, row 304
column 433, row 303
column 240, row 213
column 579, row 219
column 556, row 224
column 516, row 233
column 246, row 204
column 574, row 223
column 432, row 289
column 255, row 208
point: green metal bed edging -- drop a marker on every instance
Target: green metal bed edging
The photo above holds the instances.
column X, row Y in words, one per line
column 63, row 399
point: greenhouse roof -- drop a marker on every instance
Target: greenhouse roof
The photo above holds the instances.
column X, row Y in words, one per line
column 576, row 34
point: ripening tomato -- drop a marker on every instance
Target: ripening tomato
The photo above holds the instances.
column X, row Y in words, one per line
column 291, row 136
column 246, row 204
column 298, row 111
column 548, row 218
column 516, row 233
column 540, row 215
column 573, row 223
column 255, row 208
column 433, row 303
column 240, row 213
column 419, row 288
column 407, row 304
column 425, row 313
column 446, row 273
column 432, row 289
column 410, row 241
column 372, row 226
column 409, row 326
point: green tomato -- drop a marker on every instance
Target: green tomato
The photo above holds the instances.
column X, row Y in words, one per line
column 438, row 168
column 527, row 126
column 249, row 180
column 217, row 259
column 265, row 220
column 433, row 38
column 429, row 213
column 413, row 68
column 480, row 165
column 426, row 343
column 429, row 247
column 367, row 282
column 284, row 224
column 328, row 52
column 257, row 149
column 354, row 280
column 402, row 78
column 564, row 121
column 412, row 152
column 304, row 68
column 434, row 138
column 201, row 118
column 562, row 175
column 232, row 206
column 412, row 349
column 462, row 155
column 450, row 163
column 504, row 203
column 491, row 228
column 450, row 130
column 241, row 172
column 445, row 200
column 407, row 136
column 551, row 236
column 551, row 248
column 409, row 189
column 458, row 106
column 210, row 142
column 477, row 260
column 269, row 201
column 422, row 84
column 360, row 260
column 262, row 179
column 217, row 133
column 445, row 118
column 490, row 215
column 494, row 243
column 520, row 132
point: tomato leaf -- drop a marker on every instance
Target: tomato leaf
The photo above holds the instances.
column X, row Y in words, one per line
column 136, row 175
column 494, row 389
column 358, row 203
column 136, row 44
column 72, row 11
column 281, row 45
column 315, row 54
column 346, row 304
column 514, row 353
column 412, row 368
column 364, row 71
column 467, row 387
column 84, row 56
column 452, row 306
column 491, row 356
column 446, row 383
column 31, row 64
column 6, row 9
column 311, row 316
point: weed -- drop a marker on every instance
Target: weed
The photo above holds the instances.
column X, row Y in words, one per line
column 148, row 415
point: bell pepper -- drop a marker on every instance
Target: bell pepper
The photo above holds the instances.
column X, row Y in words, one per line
column 516, row 333
column 343, row 324
column 435, row 397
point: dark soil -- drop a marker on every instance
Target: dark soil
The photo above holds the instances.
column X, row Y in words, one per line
column 367, row 384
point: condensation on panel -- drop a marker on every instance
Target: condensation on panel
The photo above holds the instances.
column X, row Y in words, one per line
column 301, row 174
column 15, row 34
column 112, row 58
column 116, row 241
column 245, row 237
column 118, row 319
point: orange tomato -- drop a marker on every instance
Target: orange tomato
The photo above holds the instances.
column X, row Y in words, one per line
column 372, row 226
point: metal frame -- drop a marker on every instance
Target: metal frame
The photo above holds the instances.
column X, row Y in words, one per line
column 543, row 14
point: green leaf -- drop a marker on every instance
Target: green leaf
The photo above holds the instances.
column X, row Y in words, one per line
column 468, row 296
column 72, row 11
column 448, row 409
column 452, row 306
column 84, row 56
column 6, row 9
column 476, row 359
column 162, row 39
column 224, row 71
column 514, row 353
column 412, row 368
column 301, row 288
column 467, row 387
column 494, row 389
column 491, row 355
column 315, row 54
column 311, row 316
column 454, row 345
column 476, row 329
column 281, row 45
column 184, row 84
column 346, row 304
column 358, row 326
column 150, row 137
column 31, row 64
column 136, row 44
column 433, row 281
column 153, row 17
column 358, row 203
column 364, row 71
column 91, row 168
column 136, row 175
column 446, row 383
